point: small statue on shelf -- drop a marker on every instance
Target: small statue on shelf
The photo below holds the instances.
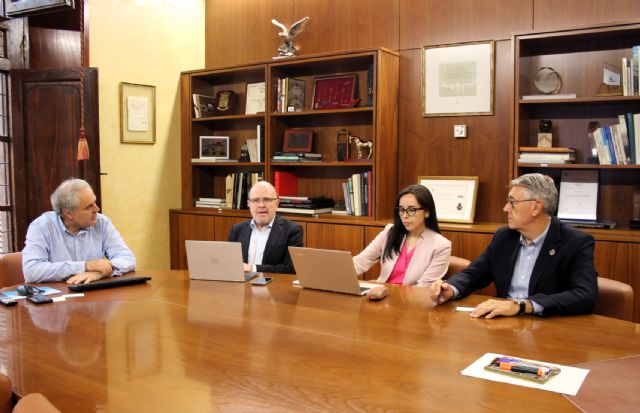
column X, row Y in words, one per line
column 287, row 49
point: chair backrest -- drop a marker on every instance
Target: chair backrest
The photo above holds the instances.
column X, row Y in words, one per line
column 6, row 394
column 11, row 269
column 35, row 403
column 615, row 299
column 456, row 264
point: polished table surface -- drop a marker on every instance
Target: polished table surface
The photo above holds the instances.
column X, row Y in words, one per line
column 177, row 345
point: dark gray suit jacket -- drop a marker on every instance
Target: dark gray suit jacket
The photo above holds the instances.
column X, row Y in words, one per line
column 563, row 281
column 276, row 258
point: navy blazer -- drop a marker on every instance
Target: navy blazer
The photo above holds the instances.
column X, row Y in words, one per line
column 563, row 280
column 276, row 258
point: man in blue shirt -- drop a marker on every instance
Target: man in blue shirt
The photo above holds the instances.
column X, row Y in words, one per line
column 541, row 265
column 74, row 243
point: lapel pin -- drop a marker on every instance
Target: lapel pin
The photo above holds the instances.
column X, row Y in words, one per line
column 552, row 252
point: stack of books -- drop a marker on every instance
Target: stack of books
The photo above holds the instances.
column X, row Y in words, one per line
column 211, row 203
column 546, row 155
column 357, row 194
column 307, row 205
column 618, row 144
column 296, row 157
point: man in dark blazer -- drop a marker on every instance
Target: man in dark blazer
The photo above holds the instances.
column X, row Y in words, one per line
column 538, row 263
column 266, row 238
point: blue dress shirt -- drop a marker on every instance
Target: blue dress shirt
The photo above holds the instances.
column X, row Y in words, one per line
column 52, row 253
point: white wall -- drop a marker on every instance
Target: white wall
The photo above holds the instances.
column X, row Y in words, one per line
column 147, row 42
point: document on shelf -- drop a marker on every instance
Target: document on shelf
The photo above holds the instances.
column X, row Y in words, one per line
column 568, row 381
column 578, row 195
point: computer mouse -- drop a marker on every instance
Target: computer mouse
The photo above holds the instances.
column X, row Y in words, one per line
column 27, row 290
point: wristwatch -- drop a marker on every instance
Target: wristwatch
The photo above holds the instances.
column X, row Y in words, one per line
column 522, row 302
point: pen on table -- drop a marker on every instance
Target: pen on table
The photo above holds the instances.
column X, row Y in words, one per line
column 522, row 369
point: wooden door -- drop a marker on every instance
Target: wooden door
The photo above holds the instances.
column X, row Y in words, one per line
column 46, row 122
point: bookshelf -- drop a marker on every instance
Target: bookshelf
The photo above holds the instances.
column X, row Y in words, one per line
column 578, row 56
column 374, row 118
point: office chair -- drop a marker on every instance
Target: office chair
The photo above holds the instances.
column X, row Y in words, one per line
column 615, row 299
column 31, row 403
column 456, row 264
column 11, row 269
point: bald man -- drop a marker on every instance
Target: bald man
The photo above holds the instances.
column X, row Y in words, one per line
column 266, row 238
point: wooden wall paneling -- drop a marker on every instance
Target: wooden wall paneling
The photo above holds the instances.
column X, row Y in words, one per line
column 634, row 278
column 348, row 25
column 223, row 226
column 427, row 146
column 185, row 144
column 188, row 226
column 369, row 235
column 335, row 237
column 610, row 259
column 238, row 32
column 554, row 14
column 432, row 22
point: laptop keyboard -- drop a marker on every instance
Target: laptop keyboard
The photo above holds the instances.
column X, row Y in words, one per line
column 108, row 283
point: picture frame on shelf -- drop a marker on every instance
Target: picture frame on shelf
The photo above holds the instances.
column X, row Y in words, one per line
column 458, row 79
column 335, row 92
column 214, row 148
column 298, row 140
column 137, row 113
column 454, row 196
column 255, row 98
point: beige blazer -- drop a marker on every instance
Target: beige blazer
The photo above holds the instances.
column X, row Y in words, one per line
column 430, row 259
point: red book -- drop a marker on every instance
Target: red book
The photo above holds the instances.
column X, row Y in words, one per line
column 286, row 183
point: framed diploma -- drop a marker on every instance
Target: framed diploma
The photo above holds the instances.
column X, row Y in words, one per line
column 454, row 196
column 335, row 92
column 457, row 79
column 137, row 113
column 254, row 98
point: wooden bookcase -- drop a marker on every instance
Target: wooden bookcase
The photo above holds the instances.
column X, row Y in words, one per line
column 578, row 56
column 375, row 120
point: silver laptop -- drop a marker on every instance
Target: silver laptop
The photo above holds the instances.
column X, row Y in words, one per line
column 327, row 270
column 216, row 261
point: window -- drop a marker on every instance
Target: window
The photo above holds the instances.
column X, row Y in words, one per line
column 6, row 227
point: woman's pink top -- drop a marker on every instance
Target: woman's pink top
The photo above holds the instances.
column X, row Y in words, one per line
column 397, row 275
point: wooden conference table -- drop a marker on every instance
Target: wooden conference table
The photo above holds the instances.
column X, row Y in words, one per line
column 177, row 345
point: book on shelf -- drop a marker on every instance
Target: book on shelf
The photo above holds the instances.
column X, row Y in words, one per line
column 237, row 187
column 549, row 97
column 631, row 135
column 260, row 142
column 546, row 150
column 296, row 157
column 591, row 224
column 286, row 183
column 339, row 212
column 302, row 200
column 198, row 160
column 203, row 105
column 322, row 203
column 305, row 211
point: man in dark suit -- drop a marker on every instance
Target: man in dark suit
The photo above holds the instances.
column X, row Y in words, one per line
column 538, row 263
column 265, row 238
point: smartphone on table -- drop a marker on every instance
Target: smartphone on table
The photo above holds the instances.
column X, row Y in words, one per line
column 261, row 280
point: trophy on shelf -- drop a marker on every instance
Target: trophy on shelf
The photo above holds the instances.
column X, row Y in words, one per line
column 547, row 81
column 224, row 102
column 287, row 49
column 611, row 81
column 360, row 149
column 544, row 134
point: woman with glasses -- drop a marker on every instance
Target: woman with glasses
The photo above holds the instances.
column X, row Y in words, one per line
column 411, row 251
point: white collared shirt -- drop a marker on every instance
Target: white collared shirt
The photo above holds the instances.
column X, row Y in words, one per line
column 258, row 242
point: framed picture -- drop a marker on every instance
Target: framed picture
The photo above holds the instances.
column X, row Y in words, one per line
column 214, row 147
column 25, row 7
column 335, row 92
column 137, row 113
column 454, row 196
column 255, row 98
column 297, row 140
column 458, row 79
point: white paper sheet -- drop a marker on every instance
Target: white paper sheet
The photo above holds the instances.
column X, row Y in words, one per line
column 568, row 381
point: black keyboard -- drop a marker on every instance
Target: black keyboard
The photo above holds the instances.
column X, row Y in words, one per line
column 109, row 283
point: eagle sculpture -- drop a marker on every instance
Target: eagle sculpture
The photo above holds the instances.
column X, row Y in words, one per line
column 287, row 49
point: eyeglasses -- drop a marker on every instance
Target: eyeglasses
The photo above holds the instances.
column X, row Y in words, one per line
column 514, row 202
column 411, row 211
column 265, row 201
